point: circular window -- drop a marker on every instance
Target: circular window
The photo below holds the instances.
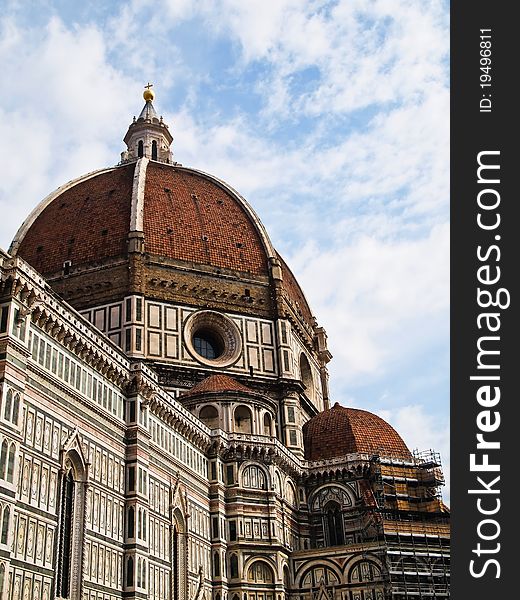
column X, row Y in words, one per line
column 212, row 338
column 208, row 344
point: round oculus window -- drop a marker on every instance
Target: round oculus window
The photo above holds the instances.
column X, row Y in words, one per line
column 212, row 338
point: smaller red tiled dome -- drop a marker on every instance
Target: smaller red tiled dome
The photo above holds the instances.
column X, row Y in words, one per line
column 215, row 384
column 340, row 430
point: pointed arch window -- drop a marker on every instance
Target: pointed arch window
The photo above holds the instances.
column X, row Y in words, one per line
column 69, row 538
column 8, row 405
column 16, row 409
column 5, row 526
column 154, row 150
column 3, row 459
column 64, row 557
column 140, row 149
column 10, row 463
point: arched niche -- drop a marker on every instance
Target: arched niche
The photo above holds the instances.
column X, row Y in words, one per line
column 242, row 419
column 209, row 415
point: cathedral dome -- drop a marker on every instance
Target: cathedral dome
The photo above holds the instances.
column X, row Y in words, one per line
column 183, row 215
column 150, row 226
column 340, row 430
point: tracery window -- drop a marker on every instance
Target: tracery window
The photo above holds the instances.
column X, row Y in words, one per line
column 315, row 576
column 12, row 406
column 254, row 477
column 364, row 571
column 260, row 572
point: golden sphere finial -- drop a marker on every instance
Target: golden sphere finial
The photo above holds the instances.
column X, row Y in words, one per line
column 148, row 94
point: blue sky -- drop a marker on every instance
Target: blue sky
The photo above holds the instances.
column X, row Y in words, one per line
column 331, row 118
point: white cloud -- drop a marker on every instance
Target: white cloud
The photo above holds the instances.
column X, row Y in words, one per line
column 386, row 303
column 63, row 112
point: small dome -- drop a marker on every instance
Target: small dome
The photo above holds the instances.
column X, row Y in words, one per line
column 216, row 384
column 340, row 430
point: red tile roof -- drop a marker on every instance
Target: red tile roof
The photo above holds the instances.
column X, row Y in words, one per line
column 340, row 431
column 187, row 217
column 217, row 383
column 190, row 218
column 86, row 223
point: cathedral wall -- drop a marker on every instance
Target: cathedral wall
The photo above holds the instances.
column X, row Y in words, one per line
column 151, row 329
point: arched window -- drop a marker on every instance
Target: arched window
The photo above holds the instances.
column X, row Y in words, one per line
column 10, row 463
column 140, row 149
column 139, row 580
column 143, row 574
column 154, row 150
column 2, row 577
column 253, row 477
column 5, row 527
column 286, row 577
column 131, row 523
column 243, row 420
column 233, row 566
column 314, row 576
column 130, row 572
column 267, row 424
column 290, row 495
column 334, row 524
column 3, row 459
column 8, row 405
column 64, row 556
column 209, row 416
